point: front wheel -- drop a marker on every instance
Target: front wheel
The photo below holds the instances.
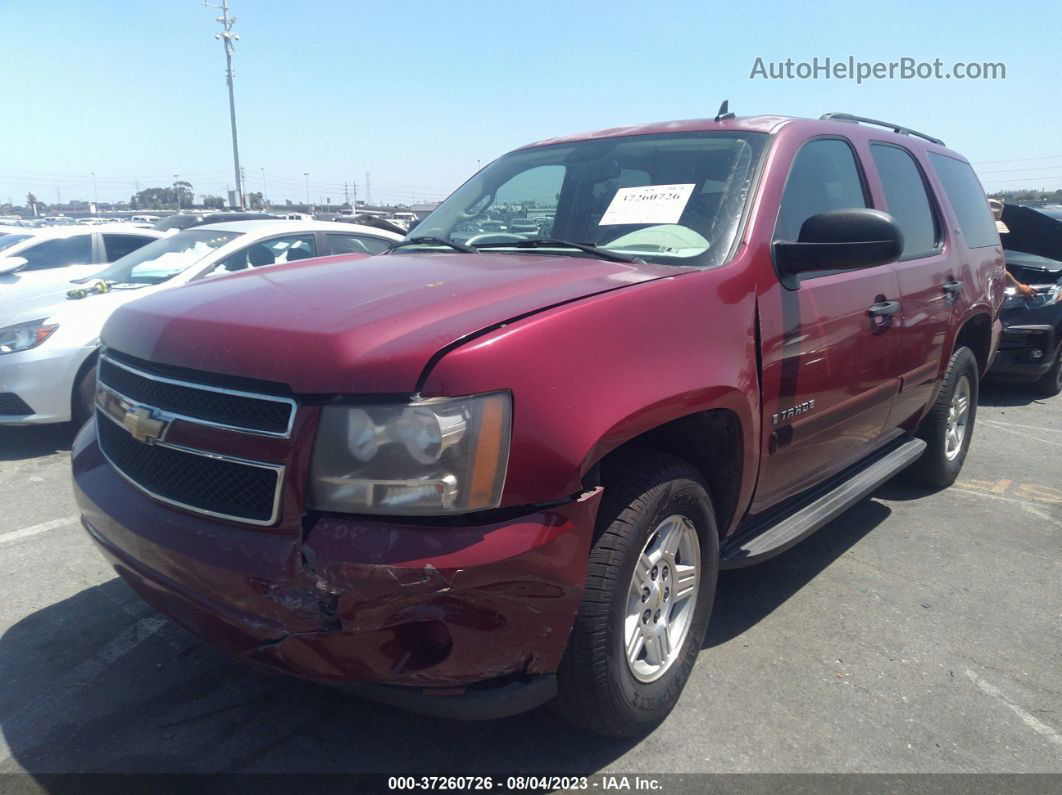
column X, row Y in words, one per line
column 84, row 397
column 948, row 428
column 649, row 590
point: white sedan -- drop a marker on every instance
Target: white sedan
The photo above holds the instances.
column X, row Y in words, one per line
column 49, row 335
column 37, row 256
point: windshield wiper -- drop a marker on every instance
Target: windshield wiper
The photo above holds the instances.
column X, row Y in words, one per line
column 589, row 248
column 434, row 241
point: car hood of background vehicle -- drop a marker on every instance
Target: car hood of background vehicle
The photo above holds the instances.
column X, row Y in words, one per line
column 51, row 303
column 365, row 326
column 1032, row 231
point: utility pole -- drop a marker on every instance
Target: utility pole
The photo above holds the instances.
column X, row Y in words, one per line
column 346, row 193
column 228, row 37
column 177, row 192
column 306, row 175
column 95, row 195
column 265, row 192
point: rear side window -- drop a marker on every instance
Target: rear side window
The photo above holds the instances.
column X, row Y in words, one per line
column 824, row 177
column 118, row 246
column 356, row 244
column 967, row 198
column 909, row 203
column 76, row 250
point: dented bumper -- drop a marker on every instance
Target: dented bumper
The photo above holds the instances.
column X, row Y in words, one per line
column 432, row 610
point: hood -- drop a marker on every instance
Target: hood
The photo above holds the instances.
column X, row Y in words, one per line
column 353, row 326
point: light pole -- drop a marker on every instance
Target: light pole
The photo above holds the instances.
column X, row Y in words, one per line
column 177, row 192
column 306, row 174
column 228, row 37
column 265, row 191
column 95, row 195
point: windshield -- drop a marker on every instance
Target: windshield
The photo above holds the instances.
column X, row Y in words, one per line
column 164, row 258
column 668, row 198
column 7, row 241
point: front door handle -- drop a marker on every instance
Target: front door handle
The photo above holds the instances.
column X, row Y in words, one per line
column 952, row 286
column 884, row 309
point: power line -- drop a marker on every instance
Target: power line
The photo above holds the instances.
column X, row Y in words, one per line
column 228, row 37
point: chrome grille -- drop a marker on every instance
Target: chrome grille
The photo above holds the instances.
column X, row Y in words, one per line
column 133, row 431
column 266, row 415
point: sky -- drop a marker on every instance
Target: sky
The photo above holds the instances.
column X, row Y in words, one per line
column 420, row 92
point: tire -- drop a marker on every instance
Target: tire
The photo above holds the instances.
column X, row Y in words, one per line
column 598, row 689
column 942, row 460
column 1050, row 383
column 84, row 397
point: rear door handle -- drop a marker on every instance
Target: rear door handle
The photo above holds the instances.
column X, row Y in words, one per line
column 884, row 308
column 952, row 286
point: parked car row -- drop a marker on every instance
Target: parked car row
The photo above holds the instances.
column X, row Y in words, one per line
column 59, row 291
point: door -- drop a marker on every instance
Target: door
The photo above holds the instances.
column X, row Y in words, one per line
column 925, row 271
column 829, row 365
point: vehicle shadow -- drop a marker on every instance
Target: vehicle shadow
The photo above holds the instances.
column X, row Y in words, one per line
column 747, row 596
column 21, row 443
column 99, row 682
column 1001, row 395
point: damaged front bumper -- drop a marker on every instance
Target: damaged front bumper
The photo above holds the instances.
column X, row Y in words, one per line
column 465, row 621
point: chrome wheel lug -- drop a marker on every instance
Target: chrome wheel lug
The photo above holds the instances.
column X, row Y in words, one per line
column 656, row 617
column 646, row 616
column 654, row 572
column 645, row 594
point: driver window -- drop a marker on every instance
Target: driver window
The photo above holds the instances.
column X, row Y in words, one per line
column 824, row 177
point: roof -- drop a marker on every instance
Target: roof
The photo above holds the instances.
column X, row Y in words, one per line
column 85, row 229
column 282, row 226
column 761, row 124
column 765, row 124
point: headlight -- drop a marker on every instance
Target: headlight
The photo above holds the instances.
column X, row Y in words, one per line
column 429, row 457
column 25, row 336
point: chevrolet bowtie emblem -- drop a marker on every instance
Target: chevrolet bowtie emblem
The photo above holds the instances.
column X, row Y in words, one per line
column 142, row 425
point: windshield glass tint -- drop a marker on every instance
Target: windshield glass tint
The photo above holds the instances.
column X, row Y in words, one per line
column 165, row 258
column 7, row 241
column 669, row 198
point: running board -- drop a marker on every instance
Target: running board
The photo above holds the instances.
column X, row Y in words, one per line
column 763, row 542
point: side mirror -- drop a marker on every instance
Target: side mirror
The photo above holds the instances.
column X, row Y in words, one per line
column 842, row 240
column 9, row 265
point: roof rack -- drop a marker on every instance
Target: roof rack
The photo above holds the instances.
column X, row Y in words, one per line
column 896, row 128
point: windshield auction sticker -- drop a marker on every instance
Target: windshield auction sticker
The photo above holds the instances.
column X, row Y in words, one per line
column 650, row 204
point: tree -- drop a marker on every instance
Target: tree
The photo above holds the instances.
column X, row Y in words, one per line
column 212, row 202
column 31, row 202
column 256, row 201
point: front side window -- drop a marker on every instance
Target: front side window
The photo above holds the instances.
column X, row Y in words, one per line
column 117, row 246
column 905, row 192
column 967, row 199
column 665, row 198
column 166, row 257
column 269, row 252
column 824, row 177
column 58, row 253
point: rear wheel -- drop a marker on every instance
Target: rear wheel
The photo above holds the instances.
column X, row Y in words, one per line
column 649, row 590
column 948, row 428
column 1050, row 383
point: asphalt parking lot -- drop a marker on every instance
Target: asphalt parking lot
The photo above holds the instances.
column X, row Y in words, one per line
column 917, row 633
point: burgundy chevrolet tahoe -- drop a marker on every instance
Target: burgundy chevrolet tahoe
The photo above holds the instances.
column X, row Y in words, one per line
column 504, row 463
